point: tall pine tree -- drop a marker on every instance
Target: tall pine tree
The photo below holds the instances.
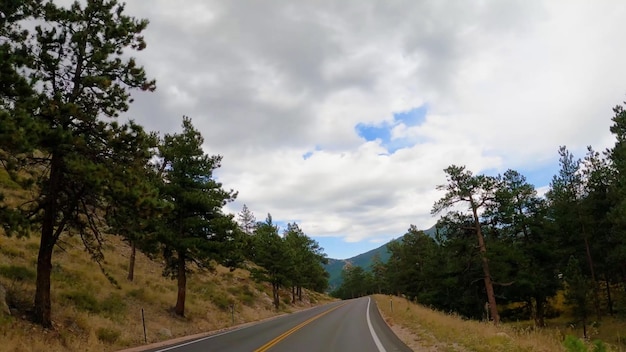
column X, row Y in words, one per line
column 78, row 66
column 476, row 192
column 195, row 230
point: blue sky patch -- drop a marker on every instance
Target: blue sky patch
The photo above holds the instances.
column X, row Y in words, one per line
column 309, row 154
column 412, row 117
column 382, row 131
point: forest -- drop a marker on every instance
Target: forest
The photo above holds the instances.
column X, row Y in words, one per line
column 502, row 251
column 73, row 169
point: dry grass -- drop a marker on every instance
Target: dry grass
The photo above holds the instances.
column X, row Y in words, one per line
column 91, row 314
column 424, row 329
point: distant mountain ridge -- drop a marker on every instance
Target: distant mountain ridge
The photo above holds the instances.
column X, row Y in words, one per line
column 364, row 260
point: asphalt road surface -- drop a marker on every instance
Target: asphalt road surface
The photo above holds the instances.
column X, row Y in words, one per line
column 353, row 325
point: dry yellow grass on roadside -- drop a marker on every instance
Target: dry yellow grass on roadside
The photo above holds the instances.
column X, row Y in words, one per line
column 436, row 331
column 91, row 314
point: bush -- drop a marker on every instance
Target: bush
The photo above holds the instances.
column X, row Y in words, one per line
column 82, row 300
column 32, row 246
column 113, row 305
column 221, row 301
column 69, row 278
column 17, row 273
column 138, row 293
column 108, row 335
column 246, row 296
column 574, row 344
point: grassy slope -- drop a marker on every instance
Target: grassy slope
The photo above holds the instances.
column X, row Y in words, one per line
column 91, row 314
column 426, row 330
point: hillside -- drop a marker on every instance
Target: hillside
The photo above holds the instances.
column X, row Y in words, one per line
column 364, row 260
column 92, row 314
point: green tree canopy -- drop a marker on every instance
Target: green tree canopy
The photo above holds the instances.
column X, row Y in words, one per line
column 195, row 230
column 271, row 255
column 58, row 135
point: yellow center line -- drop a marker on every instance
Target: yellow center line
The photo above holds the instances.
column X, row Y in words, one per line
column 282, row 336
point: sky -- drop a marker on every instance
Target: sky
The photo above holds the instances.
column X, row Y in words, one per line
column 341, row 115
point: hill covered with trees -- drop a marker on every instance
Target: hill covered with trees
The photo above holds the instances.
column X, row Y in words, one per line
column 364, row 260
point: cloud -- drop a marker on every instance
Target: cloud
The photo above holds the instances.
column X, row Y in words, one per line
column 286, row 92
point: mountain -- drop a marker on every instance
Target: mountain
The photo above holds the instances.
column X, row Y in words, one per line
column 364, row 260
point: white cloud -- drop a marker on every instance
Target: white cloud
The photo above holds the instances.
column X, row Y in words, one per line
column 505, row 82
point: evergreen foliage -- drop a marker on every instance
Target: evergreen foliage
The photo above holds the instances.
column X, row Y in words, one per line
column 293, row 260
column 270, row 253
column 195, row 230
column 67, row 80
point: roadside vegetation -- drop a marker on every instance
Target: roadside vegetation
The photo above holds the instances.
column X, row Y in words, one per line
column 428, row 330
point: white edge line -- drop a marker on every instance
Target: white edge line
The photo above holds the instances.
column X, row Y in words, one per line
column 369, row 324
column 194, row 341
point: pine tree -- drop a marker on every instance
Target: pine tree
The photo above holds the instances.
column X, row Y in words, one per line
column 566, row 195
column 133, row 204
column 307, row 258
column 578, row 290
column 617, row 215
column 521, row 218
column 78, row 67
column 271, row 254
column 246, row 220
column 476, row 192
column 195, row 230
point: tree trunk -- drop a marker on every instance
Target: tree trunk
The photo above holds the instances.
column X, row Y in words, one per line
column 131, row 264
column 532, row 307
column 275, row 294
column 42, row 309
column 540, row 312
column 300, row 293
column 293, row 294
column 609, row 299
column 182, row 286
column 596, row 296
column 624, row 276
column 491, row 297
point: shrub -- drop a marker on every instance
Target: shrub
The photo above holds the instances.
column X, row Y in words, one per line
column 113, row 305
column 67, row 277
column 221, row 301
column 82, row 300
column 246, row 296
column 138, row 293
column 32, row 246
column 17, row 273
column 108, row 335
column 574, row 344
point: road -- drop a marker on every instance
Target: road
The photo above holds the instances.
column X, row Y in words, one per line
column 353, row 325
